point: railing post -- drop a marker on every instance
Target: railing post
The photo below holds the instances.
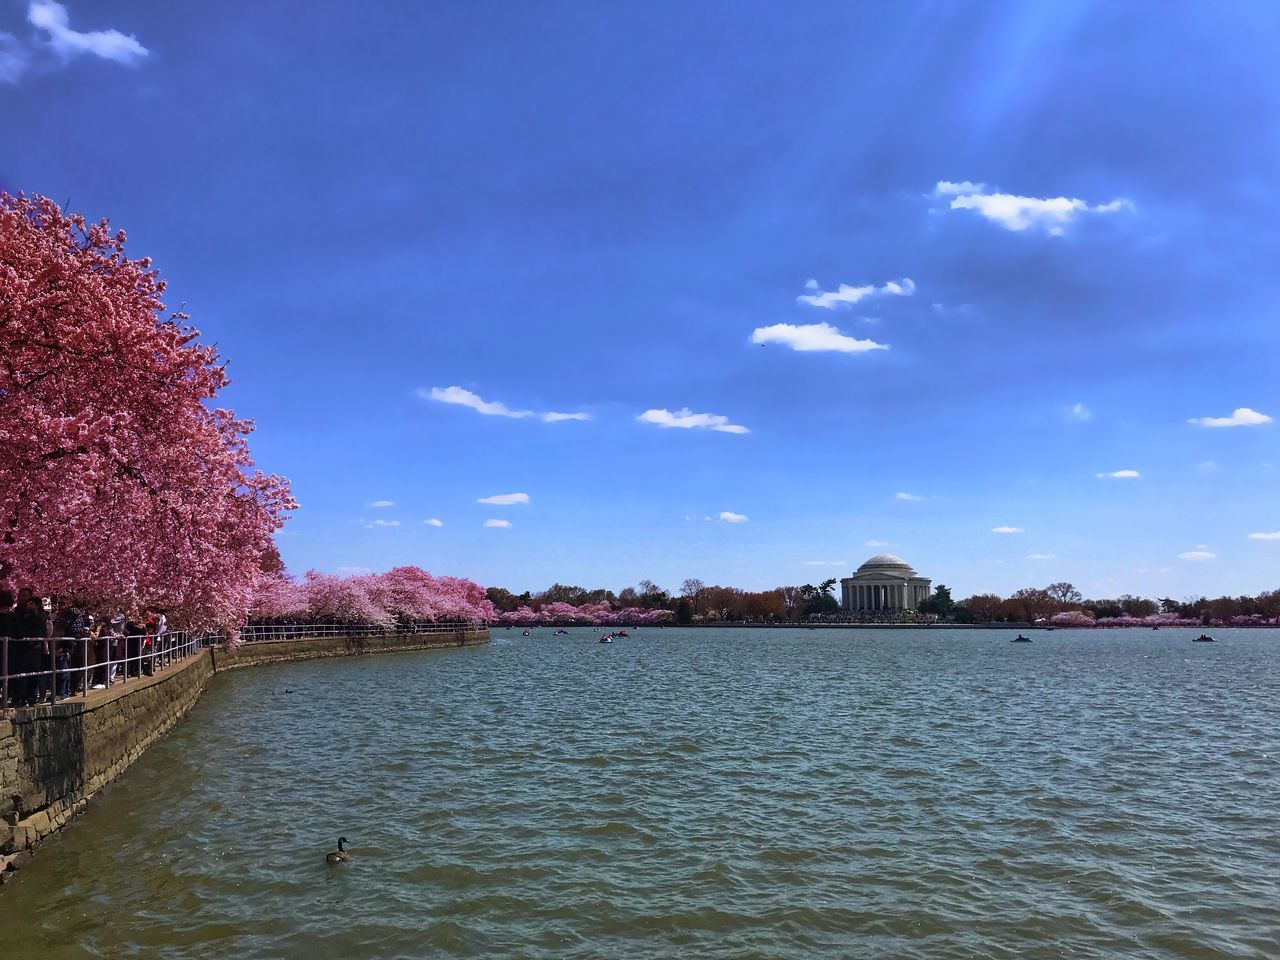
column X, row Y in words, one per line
column 4, row 676
column 53, row 670
column 84, row 677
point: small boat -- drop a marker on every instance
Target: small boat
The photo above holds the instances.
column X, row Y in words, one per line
column 525, row 634
column 1020, row 639
column 621, row 633
column 1204, row 638
column 1155, row 628
column 607, row 638
column 561, row 633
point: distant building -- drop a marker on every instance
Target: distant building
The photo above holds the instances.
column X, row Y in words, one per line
column 884, row 583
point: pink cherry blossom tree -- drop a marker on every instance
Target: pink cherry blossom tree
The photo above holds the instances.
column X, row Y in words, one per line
column 120, row 480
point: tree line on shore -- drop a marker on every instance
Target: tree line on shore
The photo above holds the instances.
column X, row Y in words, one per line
column 695, row 602
column 405, row 594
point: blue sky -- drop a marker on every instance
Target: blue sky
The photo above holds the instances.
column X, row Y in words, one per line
column 1053, row 225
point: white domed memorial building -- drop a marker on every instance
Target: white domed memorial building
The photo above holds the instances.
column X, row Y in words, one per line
column 884, row 583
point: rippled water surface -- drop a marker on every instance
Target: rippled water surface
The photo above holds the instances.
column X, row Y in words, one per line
column 732, row 794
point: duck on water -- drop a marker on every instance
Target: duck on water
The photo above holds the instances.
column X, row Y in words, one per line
column 340, row 855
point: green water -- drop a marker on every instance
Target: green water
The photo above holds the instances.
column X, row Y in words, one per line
column 735, row 794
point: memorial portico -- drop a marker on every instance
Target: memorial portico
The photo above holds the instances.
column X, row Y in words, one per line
column 884, row 583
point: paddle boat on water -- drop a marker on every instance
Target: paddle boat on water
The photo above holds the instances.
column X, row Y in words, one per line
column 1204, row 638
column 1020, row 639
column 561, row 633
column 606, row 638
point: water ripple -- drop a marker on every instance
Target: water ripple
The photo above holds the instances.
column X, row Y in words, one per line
column 747, row 794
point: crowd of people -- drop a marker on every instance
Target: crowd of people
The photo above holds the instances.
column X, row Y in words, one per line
column 50, row 645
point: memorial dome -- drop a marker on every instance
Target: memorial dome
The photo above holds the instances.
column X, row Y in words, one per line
column 887, row 561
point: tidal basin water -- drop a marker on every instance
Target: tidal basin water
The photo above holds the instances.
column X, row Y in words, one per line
column 740, row 794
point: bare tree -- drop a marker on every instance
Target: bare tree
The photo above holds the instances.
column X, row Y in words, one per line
column 1065, row 593
column 691, row 589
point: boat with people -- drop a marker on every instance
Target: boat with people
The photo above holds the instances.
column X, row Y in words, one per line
column 1204, row 638
column 561, row 633
column 606, row 638
column 1020, row 639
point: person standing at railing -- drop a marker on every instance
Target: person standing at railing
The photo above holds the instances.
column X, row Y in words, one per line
column 162, row 638
column 99, row 648
column 115, row 643
column 75, row 623
column 31, row 629
column 7, row 650
column 133, row 647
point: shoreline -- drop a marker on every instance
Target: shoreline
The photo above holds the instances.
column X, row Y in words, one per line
column 54, row 758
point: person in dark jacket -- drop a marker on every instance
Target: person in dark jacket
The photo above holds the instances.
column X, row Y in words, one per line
column 32, row 627
column 7, row 668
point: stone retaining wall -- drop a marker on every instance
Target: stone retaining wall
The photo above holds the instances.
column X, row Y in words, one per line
column 55, row 757
column 281, row 651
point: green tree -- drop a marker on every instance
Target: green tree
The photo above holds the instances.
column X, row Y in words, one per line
column 940, row 604
column 684, row 611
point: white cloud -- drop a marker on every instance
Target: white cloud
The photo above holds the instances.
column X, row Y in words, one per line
column 1017, row 213
column 1119, row 475
column 1006, row 529
column 14, row 59
column 1040, row 556
column 686, row 419
column 907, row 496
column 382, row 523
column 847, row 296
column 728, row 516
column 433, row 522
column 1079, row 412
column 499, row 524
column 811, row 284
column 1200, row 554
column 378, row 504
column 1265, row 536
column 876, row 543
column 465, row 398
column 946, row 188
column 1208, row 468
column 1240, row 417
column 505, row 499
column 813, row 337
column 109, row 44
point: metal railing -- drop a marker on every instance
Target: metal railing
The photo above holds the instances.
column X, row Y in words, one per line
column 259, row 632
column 48, row 670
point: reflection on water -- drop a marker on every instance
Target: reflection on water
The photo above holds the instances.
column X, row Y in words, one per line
column 741, row 793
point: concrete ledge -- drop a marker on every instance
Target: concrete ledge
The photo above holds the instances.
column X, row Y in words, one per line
column 55, row 757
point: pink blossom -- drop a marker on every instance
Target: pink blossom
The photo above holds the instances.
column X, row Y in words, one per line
column 120, row 480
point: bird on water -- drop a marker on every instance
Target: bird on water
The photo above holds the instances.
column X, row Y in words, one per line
column 339, row 855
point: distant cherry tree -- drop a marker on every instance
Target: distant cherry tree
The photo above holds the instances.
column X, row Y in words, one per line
column 120, row 479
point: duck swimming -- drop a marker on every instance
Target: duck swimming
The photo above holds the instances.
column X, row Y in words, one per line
column 338, row 856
